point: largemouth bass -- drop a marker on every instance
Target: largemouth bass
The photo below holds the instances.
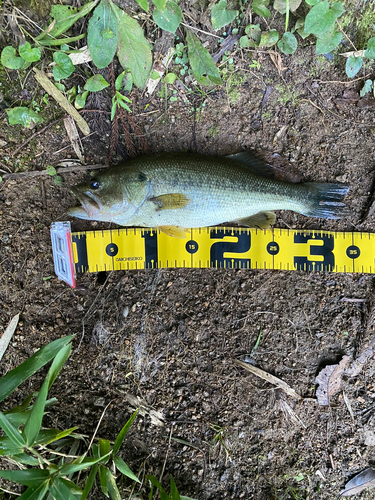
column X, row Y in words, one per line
column 173, row 191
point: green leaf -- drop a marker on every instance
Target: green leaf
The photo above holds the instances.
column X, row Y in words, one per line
column 58, row 180
column 96, row 83
column 102, row 35
column 29, row 54
column 48, row 42
column 370, row 51
column 65, row 16
column 35, row 492
column 127, row 82
column 80, row 100
column 368, row 86
column 288, row 43
column 160, row 4
column 7, row 447
column 12, row 432
column 114, row 107
column 34, row 422
column 133, row 49
column 280, row 5
column 170, row 78
column 60, row 491
column 9, row 58
column 162, row 492
column 321, row 18
column 89, row 482
column 112, row 486
column 254, row 33
column 312, row 2
column 221, row 16
column 104, row 449
column 174, row 492
column 328, row 42
column 25, row 459
column 268, row 38
column 168, row 18
column 28, row 477
column 121, row 436
column 21, row 115
column 77, row 465
column 245, row 42
column 353, row 65
column 300, row 28
column 51, row 170
column 103, row 479
column 186, row 498
column 64, row 66
column 155, row 75
column 259, row 7
column 48, row 436
column 202, row 64
column 143, row 4
column 124, row 469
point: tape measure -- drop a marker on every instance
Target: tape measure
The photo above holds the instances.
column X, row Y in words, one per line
column 218, row 247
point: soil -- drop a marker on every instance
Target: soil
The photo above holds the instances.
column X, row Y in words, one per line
column 171, row 337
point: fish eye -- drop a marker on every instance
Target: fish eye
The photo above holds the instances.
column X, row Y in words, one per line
column 95, row 184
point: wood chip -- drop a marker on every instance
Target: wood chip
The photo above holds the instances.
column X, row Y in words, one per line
column 269, row 378
column 53, row 91
column 8, row 334
column 71, row 130
column 330, row 381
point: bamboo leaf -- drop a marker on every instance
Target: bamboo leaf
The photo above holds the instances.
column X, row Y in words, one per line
column 28, row 477
column 12, row 432
column 121, row 436
column 124, row 469
column 15, row 377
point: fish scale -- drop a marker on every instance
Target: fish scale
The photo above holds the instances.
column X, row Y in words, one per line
column 193, row 190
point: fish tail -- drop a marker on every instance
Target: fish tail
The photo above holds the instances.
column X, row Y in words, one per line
column 326, row 200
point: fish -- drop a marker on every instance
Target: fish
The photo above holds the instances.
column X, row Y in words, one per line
column 175, row 191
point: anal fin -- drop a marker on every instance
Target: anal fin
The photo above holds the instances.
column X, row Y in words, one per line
column 174, row 231
column 262, row 220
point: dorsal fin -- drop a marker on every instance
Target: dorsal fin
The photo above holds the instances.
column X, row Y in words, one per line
column 254, row 163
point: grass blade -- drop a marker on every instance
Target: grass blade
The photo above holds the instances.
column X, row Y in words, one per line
column 12, row 432
column 15, row 377
column 103, row 479
column 90, row 482
column 120, row 438
column 34, row 422
column 174, row 492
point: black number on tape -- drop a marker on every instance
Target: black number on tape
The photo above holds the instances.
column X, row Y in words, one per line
column 218, row 249
column 82, row 266
column 151, row 249
column 325, row 251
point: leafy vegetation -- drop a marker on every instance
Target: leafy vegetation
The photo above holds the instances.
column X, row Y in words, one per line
column 47, row 458
column 112, row 32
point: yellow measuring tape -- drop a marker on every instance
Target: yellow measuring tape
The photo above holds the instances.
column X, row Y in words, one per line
column 218, row 247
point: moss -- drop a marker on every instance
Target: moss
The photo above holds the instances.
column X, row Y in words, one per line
column 359, row 23
column 234, row 83
column 214, row 130
column 286, row 94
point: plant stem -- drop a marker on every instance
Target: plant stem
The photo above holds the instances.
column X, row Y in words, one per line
column 287, row 15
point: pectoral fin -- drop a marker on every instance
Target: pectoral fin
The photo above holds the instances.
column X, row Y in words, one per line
column 263, row 220
column 175, row 231
column 170, row 201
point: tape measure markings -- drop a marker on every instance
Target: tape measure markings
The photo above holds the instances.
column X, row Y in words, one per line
column 221, row 247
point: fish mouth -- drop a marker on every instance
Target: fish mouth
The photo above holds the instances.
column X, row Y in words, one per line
column 90, row 205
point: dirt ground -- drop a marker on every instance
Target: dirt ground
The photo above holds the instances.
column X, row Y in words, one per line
column 171, row 337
